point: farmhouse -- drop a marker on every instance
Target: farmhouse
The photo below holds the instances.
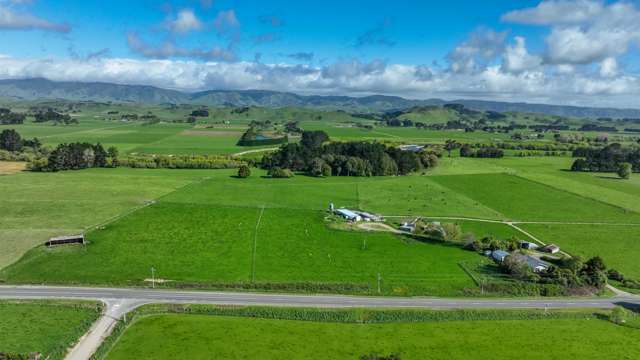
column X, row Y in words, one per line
column 499, row 255
column 62, row 240
column 533, row 263
column 551, row 248
column 349, row 215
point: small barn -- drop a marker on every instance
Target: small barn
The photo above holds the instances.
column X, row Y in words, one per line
column 551, row 248
column 528, row 245
column 349, row 215
column 63, row 240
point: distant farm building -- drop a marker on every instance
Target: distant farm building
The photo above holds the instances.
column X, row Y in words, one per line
column 528, row 245
column 499, row 255
column 411, row 147
column 349, row 215
column 63, row 240
column 407, row 227
column 368, row 216
column 551, row 248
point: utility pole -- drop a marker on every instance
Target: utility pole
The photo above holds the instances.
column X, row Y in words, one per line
column 379, row 279
column 153, row 277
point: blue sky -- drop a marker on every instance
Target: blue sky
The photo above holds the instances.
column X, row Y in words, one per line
column 555, row 51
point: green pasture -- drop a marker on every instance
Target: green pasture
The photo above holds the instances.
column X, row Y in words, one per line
column 36, row 206
column 47, row 327
column 172, row 336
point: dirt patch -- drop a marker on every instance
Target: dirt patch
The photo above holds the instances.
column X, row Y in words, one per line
column 11, row 167
column 212, row 133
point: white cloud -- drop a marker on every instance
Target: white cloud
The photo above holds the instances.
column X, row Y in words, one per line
column 609, row 67
column 556, row 12
column 583, row 31
column 12, row 20
column 185, row 22
column 475, row 52
column 517, row 59
column 348, row 77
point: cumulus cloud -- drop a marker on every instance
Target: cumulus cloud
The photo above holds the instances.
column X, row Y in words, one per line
column 609, row 67
column 482, row 46
column 345, row 77
column 185, row 22
column 517, row 59
column 583, row 31
column 556, row 12
column 13, row 20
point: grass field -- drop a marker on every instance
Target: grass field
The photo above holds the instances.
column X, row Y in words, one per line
column 36, row 206
column 207, row 232
column 48, row 327
column 617, row 245
column 204, row 336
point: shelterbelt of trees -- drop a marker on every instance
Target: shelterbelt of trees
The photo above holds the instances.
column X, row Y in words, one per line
column 608, row 159
column 317, row 156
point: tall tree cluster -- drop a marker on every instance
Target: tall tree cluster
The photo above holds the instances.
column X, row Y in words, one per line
column 608, row 159
column 318, row 157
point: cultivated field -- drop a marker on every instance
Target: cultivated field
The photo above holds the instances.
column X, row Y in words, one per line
column 47, row 327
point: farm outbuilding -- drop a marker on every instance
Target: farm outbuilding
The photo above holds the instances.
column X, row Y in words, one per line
column 528, row 245
column 349, row 215
column 68, row 239
column 551, row 248
column 499, row 255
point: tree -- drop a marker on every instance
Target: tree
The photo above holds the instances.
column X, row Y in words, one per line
column 112, row 154
column 316, row 168
column 10, row 140
column 313, row 139
column 277, row 172
column 624, row 170
column 244, row 172
column 452, row 232
column 450, row 145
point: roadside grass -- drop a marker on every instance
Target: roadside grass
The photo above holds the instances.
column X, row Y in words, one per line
column 616, row 244
column 36, row 206
column 349, row 334
column 48, row 327
column 521, row 199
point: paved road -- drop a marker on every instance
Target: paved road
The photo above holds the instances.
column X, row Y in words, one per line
column 120, row 301
column 141, row 296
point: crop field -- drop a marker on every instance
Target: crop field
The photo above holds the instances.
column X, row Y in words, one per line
column 48, row 327
column 36, row 206
column 173, row 336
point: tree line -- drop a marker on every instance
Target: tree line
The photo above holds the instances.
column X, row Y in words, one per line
column 482, row 152
column 75, row 156
column 316, row 156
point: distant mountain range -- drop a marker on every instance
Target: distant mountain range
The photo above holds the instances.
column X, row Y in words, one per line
column 42, row 89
